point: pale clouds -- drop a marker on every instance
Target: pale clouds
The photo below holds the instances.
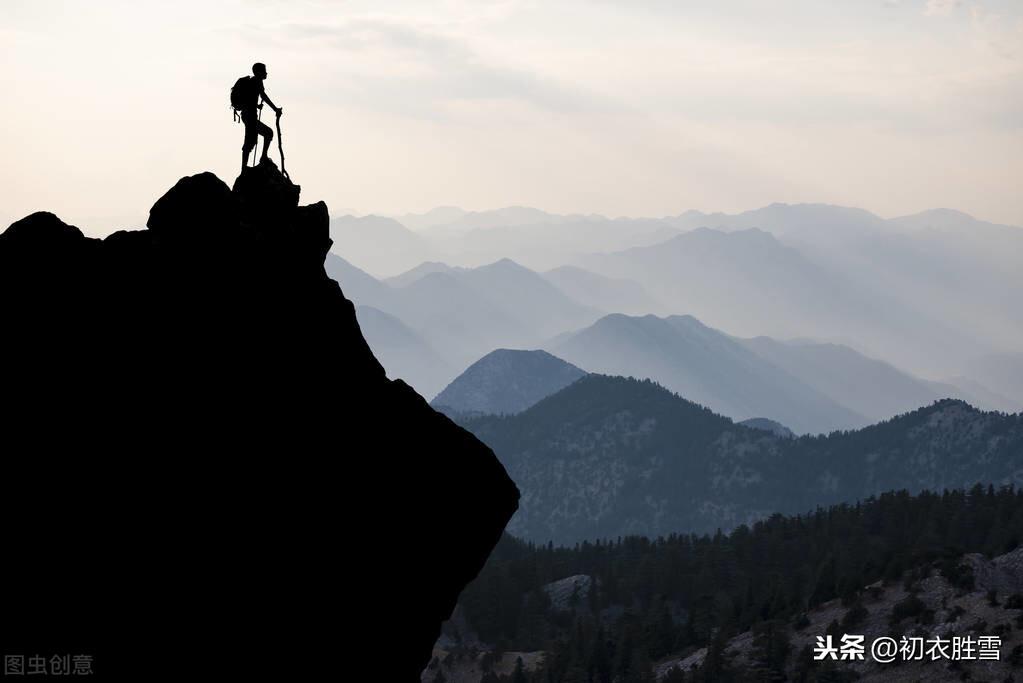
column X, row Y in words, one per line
column 395, row 63
column 999, row 32
column 646, row 107
column 941, row 7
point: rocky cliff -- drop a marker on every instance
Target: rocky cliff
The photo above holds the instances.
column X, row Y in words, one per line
column 206, row 470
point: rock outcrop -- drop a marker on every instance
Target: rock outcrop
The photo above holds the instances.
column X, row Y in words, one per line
column 207, row 473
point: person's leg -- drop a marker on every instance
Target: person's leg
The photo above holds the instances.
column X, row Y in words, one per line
column 268, row 135
column 250, row 139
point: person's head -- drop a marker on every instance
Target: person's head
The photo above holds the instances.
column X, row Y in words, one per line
column 259, row 70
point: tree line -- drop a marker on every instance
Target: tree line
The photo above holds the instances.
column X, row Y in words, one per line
column 650, row 598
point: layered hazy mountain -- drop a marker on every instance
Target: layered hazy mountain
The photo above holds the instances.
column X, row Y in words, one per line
column 359, row 286
column 944, row 264
column 705, row 366
column 610, row 456
column 468, row 312
column 505, row 382
column 402, row 352
column 808, row 386
column 910, row 309
column 548, row 245
column 450, row 317
column 438, row 216
column 820, row 221
column 870, row 387
column 382, row 246
column 605, row 293
column 434, row 320
column 751, row 283
column 535, row 238
column 931, row 293
column 1001, row 373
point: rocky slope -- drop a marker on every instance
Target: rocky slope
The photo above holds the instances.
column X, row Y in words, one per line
column 982, row 605
column 204, row 470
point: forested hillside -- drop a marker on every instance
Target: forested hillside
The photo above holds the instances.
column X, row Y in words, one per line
column 609, row 456
column 608, row 611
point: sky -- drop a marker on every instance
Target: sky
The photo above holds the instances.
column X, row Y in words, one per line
column 636, row 107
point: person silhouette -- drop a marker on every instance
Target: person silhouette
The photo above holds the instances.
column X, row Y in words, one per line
column 245, row 97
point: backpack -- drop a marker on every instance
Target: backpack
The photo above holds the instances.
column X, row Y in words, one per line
column 239, row 91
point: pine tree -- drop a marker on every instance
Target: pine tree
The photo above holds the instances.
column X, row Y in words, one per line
column 519, row 675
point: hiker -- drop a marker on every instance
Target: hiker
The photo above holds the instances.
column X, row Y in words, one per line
column 245, row 97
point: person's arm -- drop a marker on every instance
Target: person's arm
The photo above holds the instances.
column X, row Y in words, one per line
column 266, row 98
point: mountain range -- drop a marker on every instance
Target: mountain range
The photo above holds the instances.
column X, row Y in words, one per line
column 427, row 323
column 851, row 318
column 380, row 245
column 705, row 366
column 456, row 315
column 751, row 283
column 931, row 293
column 610, row 456
column 808, row 386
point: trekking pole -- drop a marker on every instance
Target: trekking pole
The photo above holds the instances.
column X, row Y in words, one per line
column 280, row 143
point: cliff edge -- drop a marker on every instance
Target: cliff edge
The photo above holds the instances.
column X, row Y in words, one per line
column 206, row 471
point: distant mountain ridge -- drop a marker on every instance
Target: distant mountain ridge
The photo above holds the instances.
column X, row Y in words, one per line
column 929, row 292
column 872, row 388
column 402, row 352
column 618, row 295
column 461, row 313
column 752, row 283
column 380, row 245
column 505, row 382
column 609, row 456
column 705, row 366
column 811, row 387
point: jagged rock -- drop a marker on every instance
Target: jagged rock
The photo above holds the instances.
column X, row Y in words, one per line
column 207, row 471
column 197, row 207
column 269, row 196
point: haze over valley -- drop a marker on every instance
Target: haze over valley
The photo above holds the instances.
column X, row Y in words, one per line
column 818, row 317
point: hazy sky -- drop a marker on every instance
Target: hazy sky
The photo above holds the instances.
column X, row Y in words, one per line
column 636, row 107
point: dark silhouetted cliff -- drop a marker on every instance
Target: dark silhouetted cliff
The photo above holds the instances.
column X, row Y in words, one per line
column 206, row 472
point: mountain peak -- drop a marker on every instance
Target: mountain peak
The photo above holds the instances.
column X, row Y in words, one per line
column 505, row 382
column 717, row 236
column 505, row 264
column 941, row 216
